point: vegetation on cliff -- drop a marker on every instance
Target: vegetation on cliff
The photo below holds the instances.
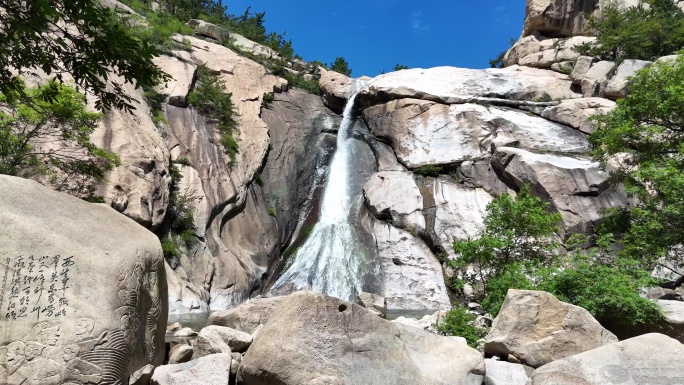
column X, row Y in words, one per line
column 73, row 39
column 641, row 32
column 45, row 134
column 518, row 249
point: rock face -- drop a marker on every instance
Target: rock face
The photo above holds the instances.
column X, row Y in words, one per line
column 576, row 113
column 315, row 339
column 83, row 296
column 219, row 339
column 449, row 85
column 395, row 196
column 536, row 328
column 647, row 359
column 577, row 188
column 565, row 17
column 231, row 257
column 139, row 188
column 411, row 277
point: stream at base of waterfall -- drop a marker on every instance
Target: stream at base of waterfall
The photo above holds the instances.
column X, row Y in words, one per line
column 331, row 261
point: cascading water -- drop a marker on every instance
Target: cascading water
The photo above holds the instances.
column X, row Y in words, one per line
column 332, row 261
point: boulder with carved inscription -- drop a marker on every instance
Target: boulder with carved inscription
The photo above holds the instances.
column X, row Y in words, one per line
column 82, row 290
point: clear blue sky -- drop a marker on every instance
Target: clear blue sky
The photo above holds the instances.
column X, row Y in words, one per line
column 374, row 35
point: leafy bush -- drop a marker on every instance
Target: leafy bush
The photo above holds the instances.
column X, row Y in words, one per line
column 516, row 233
column 638, row 32
column 610, row 292
column 180, row 230
column 271, row 211
column 212, row 101
column 459, row 322
column 161, row 26
column 267, row 99
column 46, row 135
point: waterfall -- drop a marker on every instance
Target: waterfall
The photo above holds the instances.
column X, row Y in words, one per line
column 331, row 260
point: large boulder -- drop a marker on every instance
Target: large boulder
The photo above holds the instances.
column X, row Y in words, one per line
column 182, row 79
column 335, row 88
column 209, row 370
column 83, row 289
column 646, row 359
column 220, row 339
column 451, row 85
column 315, row 339
column 428, row 133
column 536, row 328
column 595, row 80
column 673, row 311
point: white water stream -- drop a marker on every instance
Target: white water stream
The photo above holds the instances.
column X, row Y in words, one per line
column 331, row 261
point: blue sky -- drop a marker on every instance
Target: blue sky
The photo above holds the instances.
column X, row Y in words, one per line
column 374, row 35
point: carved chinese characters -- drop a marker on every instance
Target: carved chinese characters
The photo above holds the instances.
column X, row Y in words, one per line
column 37, row 288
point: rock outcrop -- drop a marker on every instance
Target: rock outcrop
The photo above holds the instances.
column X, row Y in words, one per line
column 83, row 292
column 315, row 339
column 536, row 328
column 209, row 370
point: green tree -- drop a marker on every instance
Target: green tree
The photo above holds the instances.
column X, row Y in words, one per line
column 643, row 140
column 78, row 38
column 498, row 61
column 459, row 322
column 340, row 65
column 517, row 234
column 638, row 32
column 399, row 67
column 50, row 139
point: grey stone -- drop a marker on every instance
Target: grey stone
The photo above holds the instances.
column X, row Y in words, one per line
column 617, row 87
column 595, row 80
column 394, row 195
column 372, row 302
column 504, row 373
column 210, row 370
column 536, row 328
column 316, row 339
column 142, row 376
column 180, row 353
column 582, row 66
column 646, row 359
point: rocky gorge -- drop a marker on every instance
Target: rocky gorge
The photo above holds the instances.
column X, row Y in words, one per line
column 87, row 288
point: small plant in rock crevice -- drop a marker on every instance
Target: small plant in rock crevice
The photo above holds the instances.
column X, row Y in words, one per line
column 461, row 323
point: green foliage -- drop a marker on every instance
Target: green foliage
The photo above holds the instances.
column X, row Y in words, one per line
column 459, row 322
column 516, row 233
column 399, row 67
column 310, row 86
column 646, row 133
column 258, row 179
column 267, row 99
column 545, row 98
column 609, row 291
column 515, row 252
column 89, row 43
column 251, row 25
column 271, row 211
column 161, row 26
column 49, row 138
column 212, row 101
column 429, row 170
column 340, row 65
column 637, row 32
column 155, row 100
